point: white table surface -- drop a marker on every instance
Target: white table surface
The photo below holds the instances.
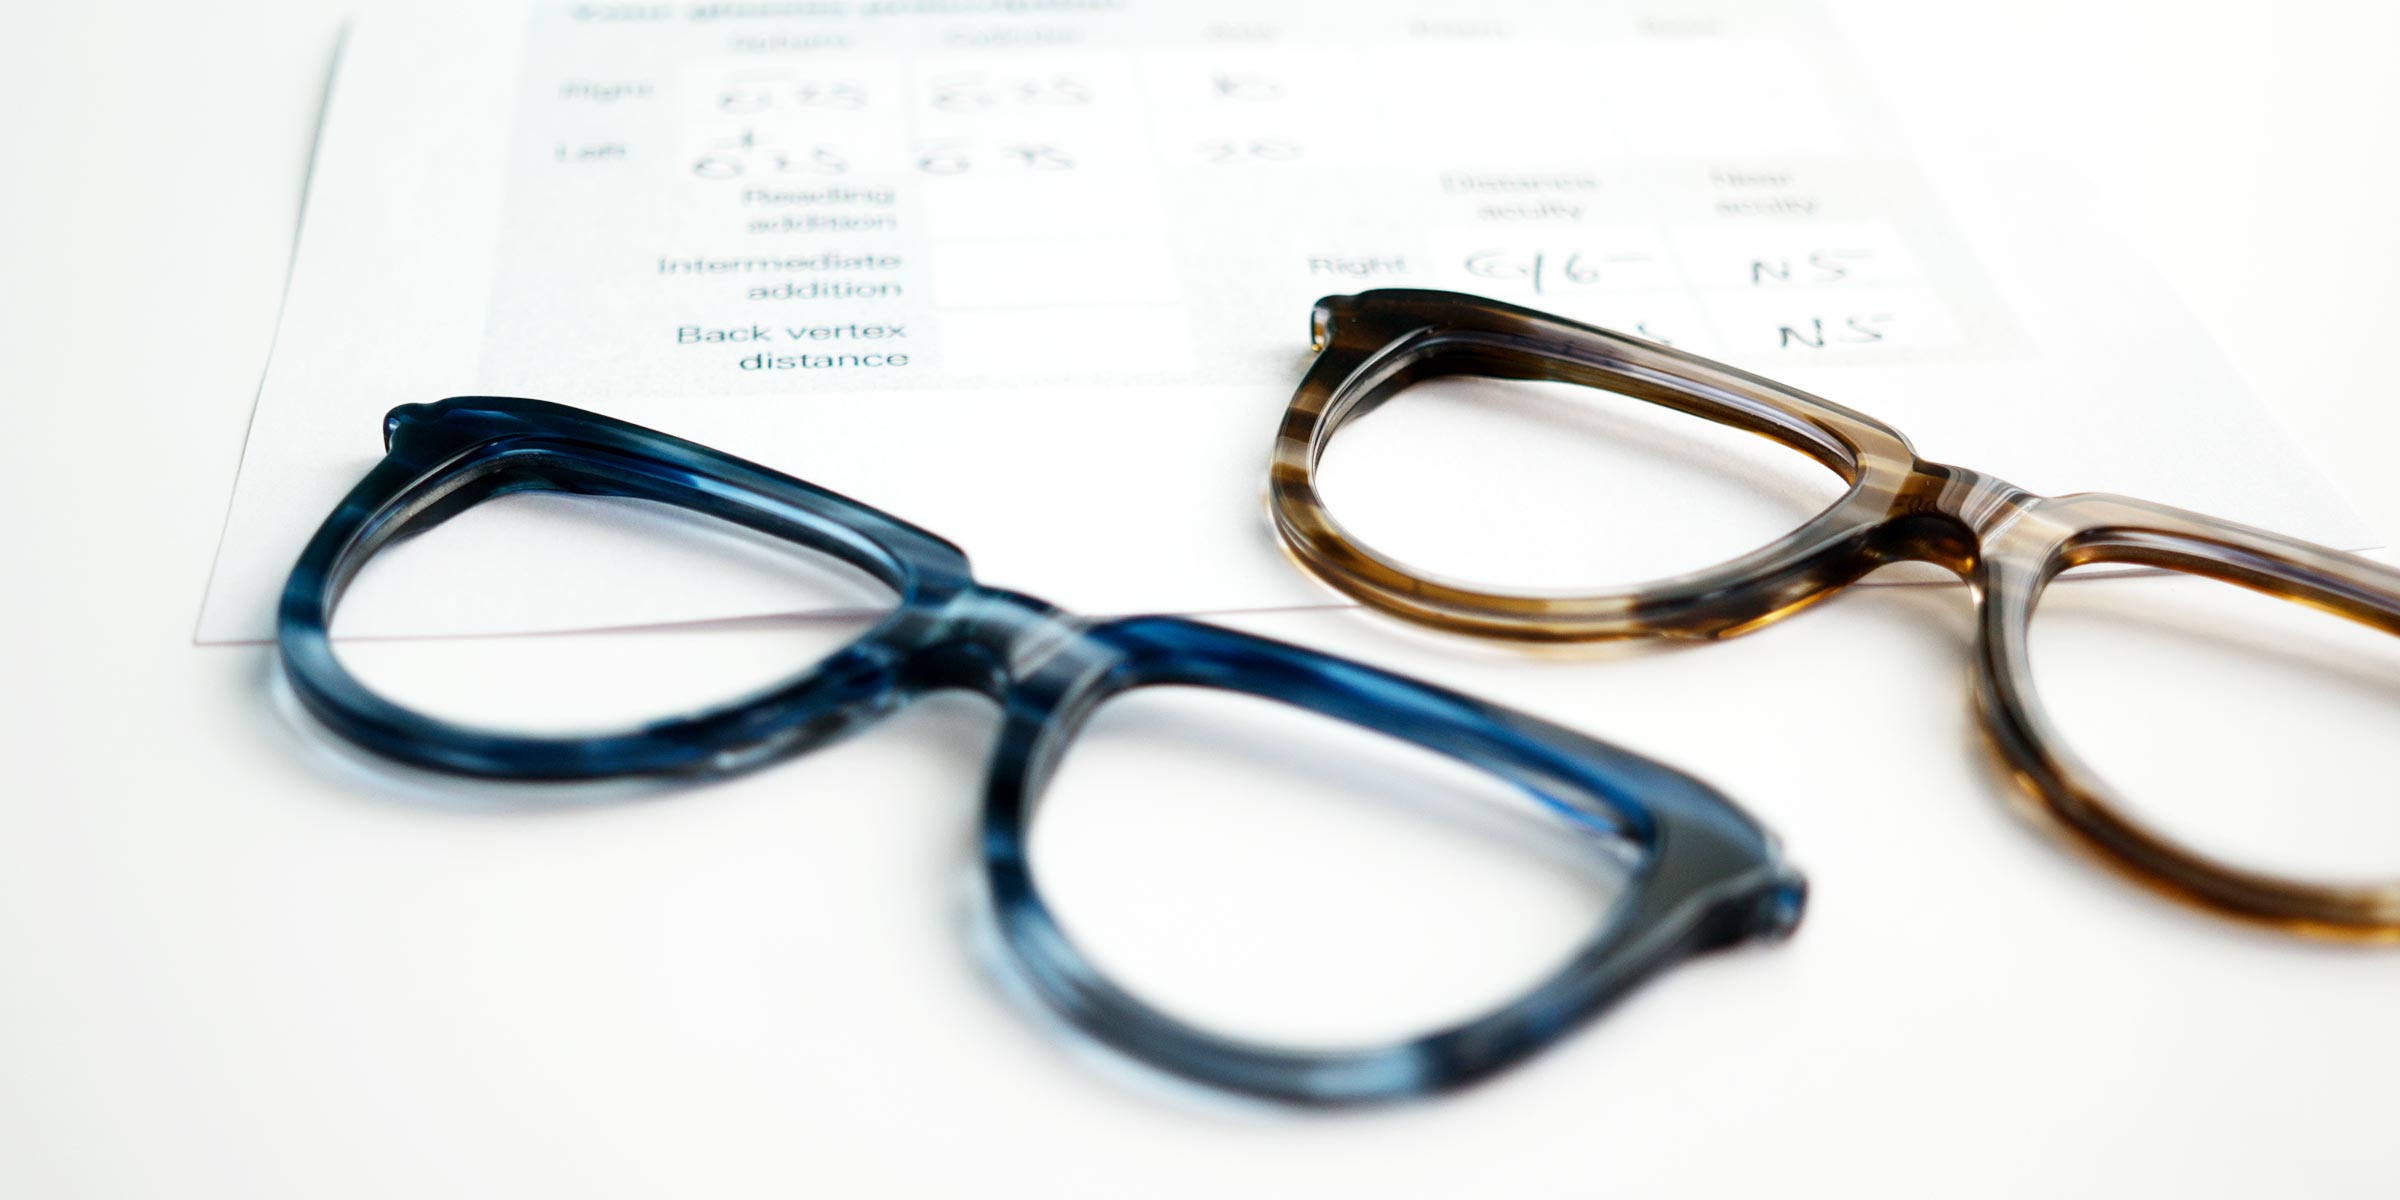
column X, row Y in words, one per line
column 234, row 969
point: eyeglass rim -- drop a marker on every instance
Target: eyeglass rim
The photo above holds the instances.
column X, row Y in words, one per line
column 2007, row 542
column 1684, row 897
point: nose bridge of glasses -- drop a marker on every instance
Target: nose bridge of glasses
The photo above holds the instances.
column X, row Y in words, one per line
column 1946, row 515
column 985, row 639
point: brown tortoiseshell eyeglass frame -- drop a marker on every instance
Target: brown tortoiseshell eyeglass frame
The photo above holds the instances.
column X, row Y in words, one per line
column 2007, row 543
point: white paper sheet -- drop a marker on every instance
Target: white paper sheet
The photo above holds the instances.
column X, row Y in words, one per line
column 1037, row 276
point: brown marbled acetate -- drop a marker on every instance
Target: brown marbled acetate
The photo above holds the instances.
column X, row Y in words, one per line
column 2005, row 542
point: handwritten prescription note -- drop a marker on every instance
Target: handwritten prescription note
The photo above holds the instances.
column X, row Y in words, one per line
column 1037, row 275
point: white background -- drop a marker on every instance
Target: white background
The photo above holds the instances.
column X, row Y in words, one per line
column 234, row 968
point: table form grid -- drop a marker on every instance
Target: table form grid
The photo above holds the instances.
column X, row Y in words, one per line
column 1137, row 207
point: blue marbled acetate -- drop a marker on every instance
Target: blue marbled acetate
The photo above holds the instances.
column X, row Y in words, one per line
column 1704, row 873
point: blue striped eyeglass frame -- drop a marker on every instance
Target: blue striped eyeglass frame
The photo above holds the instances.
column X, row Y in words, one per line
column 1703, row 873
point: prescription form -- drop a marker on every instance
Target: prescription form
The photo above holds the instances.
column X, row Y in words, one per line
column 1038, row 275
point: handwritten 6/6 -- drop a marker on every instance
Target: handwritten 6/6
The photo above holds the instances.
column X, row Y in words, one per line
column 1541, row 269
